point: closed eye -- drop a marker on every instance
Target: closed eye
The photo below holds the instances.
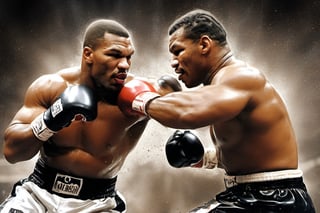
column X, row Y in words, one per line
column 115, row 55
column 177, row 52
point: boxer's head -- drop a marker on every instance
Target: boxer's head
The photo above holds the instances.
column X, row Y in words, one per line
column 95, row 32
column 197, row 23
column 106, row 57
column 195, row 42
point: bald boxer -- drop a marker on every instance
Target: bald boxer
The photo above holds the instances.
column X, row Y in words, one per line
column 71, row 117
column 249, row 122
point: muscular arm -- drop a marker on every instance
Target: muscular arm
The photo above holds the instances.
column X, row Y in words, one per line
column 19, row 141
column 207, row 105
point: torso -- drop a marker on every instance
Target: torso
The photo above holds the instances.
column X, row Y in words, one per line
column 94, row 149
column 261, row 137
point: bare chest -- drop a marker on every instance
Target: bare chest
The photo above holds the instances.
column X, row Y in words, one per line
column 105, row 135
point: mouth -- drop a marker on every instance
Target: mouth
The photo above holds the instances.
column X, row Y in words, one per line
column 180, row 72
column 120, row 78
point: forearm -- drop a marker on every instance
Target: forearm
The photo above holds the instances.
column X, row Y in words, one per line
column 175, row 111
column 20, row 144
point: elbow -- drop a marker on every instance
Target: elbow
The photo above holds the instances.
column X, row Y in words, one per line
column 8, row 152
column 11, row 160
column 9, row 156
column 14, row 155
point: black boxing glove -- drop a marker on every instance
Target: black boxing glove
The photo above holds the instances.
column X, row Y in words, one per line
column 74, row 101
column 184, row 149
column 167, row 82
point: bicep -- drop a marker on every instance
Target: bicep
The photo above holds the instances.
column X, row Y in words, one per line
column 38, row 97
column 223, row 103
column 26, row 114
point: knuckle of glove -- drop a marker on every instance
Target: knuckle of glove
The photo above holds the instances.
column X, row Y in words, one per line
column 175, row 154
column 193, row 146
column 184, row 149
column 167, row 81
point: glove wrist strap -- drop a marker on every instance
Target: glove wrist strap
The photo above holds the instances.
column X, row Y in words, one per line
column 141, row 101
column 210, row 159
column 40, row 129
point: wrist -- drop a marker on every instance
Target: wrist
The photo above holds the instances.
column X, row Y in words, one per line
column 210, row 160
column 40, row 129
column 142, row 100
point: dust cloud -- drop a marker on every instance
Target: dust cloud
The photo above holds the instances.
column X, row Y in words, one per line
column 281, row 38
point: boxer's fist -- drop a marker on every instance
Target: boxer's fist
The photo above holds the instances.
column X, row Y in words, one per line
column 135, row 95
column 168, row 84
column 184, row 149
column 74, row 101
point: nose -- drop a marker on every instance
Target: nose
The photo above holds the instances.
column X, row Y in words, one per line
column 124, row 63
column 174, row 63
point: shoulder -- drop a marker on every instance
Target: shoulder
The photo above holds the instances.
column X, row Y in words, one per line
column 45, row 89
column 240, row 76
column 70, row 75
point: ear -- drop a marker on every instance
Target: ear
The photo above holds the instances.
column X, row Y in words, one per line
column 87, row 54
column 205, row 44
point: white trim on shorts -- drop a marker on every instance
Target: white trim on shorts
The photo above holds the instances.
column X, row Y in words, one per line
column 231, row 181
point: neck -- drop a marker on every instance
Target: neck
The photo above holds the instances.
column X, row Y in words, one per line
column 103, row 94
column 222, row 61
column 108, row 96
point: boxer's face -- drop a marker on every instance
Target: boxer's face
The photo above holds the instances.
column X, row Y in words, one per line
column 187, row 59
column 110, row 61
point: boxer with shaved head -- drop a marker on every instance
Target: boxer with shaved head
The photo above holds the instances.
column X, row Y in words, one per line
column 249, row 123
column 71, row 117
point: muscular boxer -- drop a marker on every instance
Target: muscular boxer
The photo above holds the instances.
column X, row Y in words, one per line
column 71, row 117
column 249, row 123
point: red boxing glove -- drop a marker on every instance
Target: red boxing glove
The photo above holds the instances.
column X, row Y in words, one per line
column 135, row 95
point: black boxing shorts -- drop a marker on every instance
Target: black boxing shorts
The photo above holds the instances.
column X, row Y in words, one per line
column 70, row 186
column 282, row 191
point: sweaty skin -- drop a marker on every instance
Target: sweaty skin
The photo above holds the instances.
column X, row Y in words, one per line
column 95, row 149
column 248, row 120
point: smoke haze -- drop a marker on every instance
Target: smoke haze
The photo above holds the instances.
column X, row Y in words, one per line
column 281, row 38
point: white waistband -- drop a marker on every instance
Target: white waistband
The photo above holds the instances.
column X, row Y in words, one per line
column 261, row 177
